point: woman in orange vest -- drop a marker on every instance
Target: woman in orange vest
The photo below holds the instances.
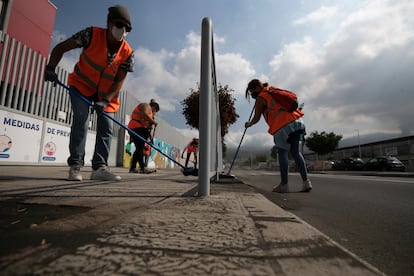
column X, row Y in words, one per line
column 142, row 122
column 192, row 147
column 105, row 60
column 287, row 129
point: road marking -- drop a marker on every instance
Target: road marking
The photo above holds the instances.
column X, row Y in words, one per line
column 362, row 177
column 336, row 176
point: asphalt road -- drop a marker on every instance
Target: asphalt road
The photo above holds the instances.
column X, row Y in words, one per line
column 372, row 217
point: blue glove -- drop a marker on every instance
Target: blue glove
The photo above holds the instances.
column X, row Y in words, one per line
column 50, row 74
column 100, row 106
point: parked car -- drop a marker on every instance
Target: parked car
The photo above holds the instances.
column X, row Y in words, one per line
column 384, row 163
column 337, row 165
column 349, row 164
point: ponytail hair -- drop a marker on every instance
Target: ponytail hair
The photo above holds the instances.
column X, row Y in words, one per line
column 154, row 104
column 252, row 85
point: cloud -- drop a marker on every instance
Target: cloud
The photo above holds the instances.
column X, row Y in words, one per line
column 376, row 27
column 295, row 65
column 69, row 59
column 233, row 70
column 320, row 14
column 57, row 37
column 168, row 76
column 360, row 77
column 165, row 75
column 189, row 133
column 251, row 140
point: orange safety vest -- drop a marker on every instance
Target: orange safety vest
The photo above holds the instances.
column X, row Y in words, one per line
column 138, row 120
column 192, row 147
column 147, row 150
column 92, row 74
column 275, row 115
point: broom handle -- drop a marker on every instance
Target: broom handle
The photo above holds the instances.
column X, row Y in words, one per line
column 119, row 123
column 241, row 140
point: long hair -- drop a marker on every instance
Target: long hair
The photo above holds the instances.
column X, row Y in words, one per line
column 255, row 83
column 154, row 104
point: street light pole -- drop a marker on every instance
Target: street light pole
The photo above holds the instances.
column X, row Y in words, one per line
column 359, row 144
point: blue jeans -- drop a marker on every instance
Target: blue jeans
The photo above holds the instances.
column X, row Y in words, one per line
column 79, row 131
column 297, row 156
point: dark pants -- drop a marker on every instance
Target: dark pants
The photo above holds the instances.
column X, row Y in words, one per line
column 188, row 159
column 293, row 140
column 138, row 155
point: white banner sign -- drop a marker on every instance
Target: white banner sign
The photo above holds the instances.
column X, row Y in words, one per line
column 20, row 137
column 55, row 148
column 89, row 148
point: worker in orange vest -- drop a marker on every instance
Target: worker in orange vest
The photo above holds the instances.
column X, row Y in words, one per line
column 191, row 147
column 287, row 129
column 105, row 60
column 142, row 122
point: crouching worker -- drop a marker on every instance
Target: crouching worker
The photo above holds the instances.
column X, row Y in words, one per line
column 142, row 122
column 191, row 147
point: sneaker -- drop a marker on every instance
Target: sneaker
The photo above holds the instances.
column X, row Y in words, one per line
column 144, row 170
column 281, row 188
column 103, row 173
column 307, row 186
column 133, row 170
column 74, row 174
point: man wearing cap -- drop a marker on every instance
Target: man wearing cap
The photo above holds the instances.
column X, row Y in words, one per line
column 98, row 75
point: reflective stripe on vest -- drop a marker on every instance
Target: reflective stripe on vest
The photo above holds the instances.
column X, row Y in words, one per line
column 275, row 115
column 92, row 74
column 147, row 149
column 138, row 120
column 192, row 148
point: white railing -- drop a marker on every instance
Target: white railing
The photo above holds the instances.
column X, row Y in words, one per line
column 211, row 162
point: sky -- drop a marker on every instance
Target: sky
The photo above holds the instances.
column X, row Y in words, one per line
column 351, row 62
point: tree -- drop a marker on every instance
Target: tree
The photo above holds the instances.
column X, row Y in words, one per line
column 228, row 113
column 322, row 143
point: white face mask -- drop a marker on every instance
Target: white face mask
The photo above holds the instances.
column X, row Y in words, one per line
column 118, row 33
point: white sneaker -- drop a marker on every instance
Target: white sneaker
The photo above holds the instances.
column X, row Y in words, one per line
column 307, row 186
column 103, row 173
column 281, row 188
column 74, row 174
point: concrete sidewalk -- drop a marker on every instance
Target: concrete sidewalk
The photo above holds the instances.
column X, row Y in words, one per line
column 154, row 225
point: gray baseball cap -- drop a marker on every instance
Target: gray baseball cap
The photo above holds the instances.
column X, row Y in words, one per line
column 121, row 13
